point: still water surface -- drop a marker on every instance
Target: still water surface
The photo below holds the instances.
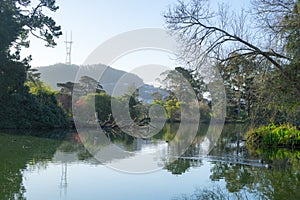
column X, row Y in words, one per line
column 42, row 165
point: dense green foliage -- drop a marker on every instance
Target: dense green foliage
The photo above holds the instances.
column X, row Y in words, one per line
column 25, row 105
column 92, row 103
column 284, row 135
column 102, row 104
column 181, row 84
column 17, row 20
column 31, row 111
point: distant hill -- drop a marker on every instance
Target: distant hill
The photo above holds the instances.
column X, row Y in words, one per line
column 58, row 73
column 61, row 73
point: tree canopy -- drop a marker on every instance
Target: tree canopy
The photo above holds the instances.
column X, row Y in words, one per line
column 221, row 35
column 256, row 51
column 19, row 107
column 18, row 19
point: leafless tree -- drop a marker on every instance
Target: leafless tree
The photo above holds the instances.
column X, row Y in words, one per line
column 223, row 35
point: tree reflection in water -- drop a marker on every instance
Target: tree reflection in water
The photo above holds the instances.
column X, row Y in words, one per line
column 239, row 167
column 19, row 153
column 235, row 170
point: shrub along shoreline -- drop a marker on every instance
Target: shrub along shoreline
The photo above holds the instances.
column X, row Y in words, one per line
column 284, row 135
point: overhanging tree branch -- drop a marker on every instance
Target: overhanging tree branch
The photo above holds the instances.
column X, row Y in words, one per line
column 191, row 21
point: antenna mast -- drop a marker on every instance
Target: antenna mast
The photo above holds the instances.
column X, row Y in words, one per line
column 68, row 49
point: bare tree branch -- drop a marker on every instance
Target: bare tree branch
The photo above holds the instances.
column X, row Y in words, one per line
column 197, row 26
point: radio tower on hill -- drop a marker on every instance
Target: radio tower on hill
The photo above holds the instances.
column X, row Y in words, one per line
column 68, row 49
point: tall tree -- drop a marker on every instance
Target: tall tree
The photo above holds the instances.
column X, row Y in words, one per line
column 183, row 81
column 218, row 31
column 273, row 43
column 19, row 108
column 18, row 19
column 196, row 81
column 238, row 74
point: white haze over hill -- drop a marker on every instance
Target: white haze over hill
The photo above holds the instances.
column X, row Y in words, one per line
column 108, row 77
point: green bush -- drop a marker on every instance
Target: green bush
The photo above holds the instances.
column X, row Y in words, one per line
column 31, row 111
column 284, row 135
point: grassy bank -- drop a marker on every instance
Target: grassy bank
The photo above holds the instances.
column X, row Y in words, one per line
column 284, row 135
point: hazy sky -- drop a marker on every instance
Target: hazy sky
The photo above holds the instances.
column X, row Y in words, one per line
column 92, row 22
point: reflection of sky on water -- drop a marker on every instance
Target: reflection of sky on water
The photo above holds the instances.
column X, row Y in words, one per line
column 137, row 155
column 229, row 165
column 152, row 147
column 86, row 181
column 148, row 157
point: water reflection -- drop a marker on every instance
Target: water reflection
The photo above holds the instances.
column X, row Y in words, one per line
column 243, row 170
column 19, row 153
column 139, row 155
column 264, row 183
column 233, row 168
column 181, row 166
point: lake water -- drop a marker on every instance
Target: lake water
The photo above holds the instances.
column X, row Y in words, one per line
column 42, row 165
